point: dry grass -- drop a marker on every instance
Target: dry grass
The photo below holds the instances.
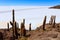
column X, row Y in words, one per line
column 23, row 38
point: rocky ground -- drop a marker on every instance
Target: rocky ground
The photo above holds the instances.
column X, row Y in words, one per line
column 49, row 34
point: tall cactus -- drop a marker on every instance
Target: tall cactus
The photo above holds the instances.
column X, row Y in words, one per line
column 30, row 27
column 13, row 26
column 23, row 31
column 24, row 28
column 44, row 22
column 8, row 26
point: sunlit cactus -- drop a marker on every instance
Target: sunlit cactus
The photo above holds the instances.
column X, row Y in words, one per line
column 23, row 31
column 51, row 19
column 44, row 22
column 54, row 23
column 30, row 27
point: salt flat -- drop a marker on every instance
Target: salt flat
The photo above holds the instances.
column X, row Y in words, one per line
column 32, row 14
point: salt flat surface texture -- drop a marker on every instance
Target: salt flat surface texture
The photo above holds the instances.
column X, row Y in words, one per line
column 32, row 14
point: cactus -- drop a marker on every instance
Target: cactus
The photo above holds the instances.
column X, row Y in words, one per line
column 15, row 30
column 1, row 36
column 11, row 23
column 51, row 19
column 30, row 27
column 44, row 22
column 54, row 23
column 13, row 26
column 16, row 33
column 8, row 26
column 23, row 30
column 24, row 21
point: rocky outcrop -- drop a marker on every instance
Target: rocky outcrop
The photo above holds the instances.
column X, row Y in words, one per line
column 55, row 7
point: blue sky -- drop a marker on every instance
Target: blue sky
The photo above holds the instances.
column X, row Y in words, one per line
column 29, row 2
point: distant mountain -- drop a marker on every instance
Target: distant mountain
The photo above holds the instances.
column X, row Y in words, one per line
column 56, row 7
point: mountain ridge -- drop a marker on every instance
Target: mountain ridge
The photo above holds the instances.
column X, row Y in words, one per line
column 55, row 7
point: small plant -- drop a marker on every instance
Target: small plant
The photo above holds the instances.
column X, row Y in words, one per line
column 23, row 38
